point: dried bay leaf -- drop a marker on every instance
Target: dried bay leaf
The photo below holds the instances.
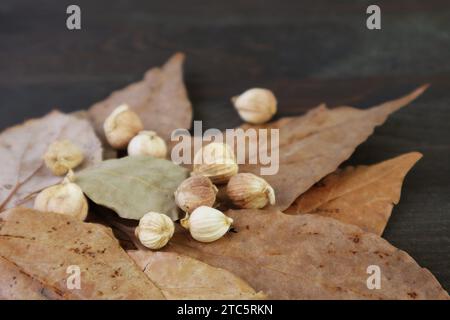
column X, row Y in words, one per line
column 362, row 195
column 23, row 172
column 314, row 145
column 160, row 99
column 181, row 277
column 133, row 186
column 41, row 246
column 310, row 257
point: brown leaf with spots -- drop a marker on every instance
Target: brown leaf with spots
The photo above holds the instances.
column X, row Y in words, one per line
column 314, row 145
column 362, row 195
column 160, row 99
column 181, row 277
column 310, row 257
column 37, row 248
column 23, row 172
column 15, row 284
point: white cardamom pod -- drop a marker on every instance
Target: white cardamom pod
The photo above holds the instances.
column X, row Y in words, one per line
column 147, row 143
column 195, row 192
column 61, row 156
column 155, row 230
column 121, row 126
column 207, row 224
column 249, row 191
column 65, row 198
column 256, row 105
column 215, row 161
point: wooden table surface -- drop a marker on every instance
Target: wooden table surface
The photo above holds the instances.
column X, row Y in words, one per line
column 308, row 52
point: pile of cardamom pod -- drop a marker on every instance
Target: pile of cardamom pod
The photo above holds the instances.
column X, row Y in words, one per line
column 214, row 164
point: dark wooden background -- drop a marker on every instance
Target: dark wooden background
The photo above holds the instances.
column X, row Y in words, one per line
column 306, row 51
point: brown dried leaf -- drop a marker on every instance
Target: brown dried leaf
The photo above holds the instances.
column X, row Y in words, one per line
column 181, row 277
column 310, row 257
column 363, row 195
column 15, row 284
column 40, row 246
column 23, row 172
column 160, row 99
column 314, row 145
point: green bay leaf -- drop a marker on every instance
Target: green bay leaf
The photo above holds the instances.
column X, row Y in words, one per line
column 133, row 186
